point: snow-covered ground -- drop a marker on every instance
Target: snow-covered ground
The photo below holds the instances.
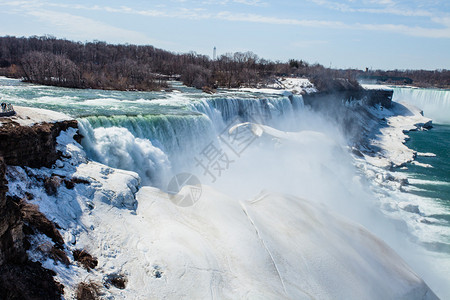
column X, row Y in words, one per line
column 390, row 139
column 285, row 85
column 376, row 87
column 271, row 246
column 26, row 116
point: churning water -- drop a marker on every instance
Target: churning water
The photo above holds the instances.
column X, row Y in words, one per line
column 161, row 134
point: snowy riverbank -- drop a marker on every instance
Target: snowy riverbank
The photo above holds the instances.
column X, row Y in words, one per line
column 288, row 216
column 271, row 246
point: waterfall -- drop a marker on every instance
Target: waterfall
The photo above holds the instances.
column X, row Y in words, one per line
column 159, row 146
column 434, row 103
column 266, row 110
column 154, row 146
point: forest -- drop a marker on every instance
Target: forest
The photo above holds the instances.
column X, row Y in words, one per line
column 59, row 62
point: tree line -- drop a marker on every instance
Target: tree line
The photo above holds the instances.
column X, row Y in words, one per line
column 59, row 62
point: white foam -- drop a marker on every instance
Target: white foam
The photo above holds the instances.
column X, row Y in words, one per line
column 414, row 162
column 423, row 181
column 427, row 154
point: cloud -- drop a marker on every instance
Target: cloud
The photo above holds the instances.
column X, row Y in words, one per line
column 381, row 7
column 87, row 28
column 390, row 7
column 251, row 2
column 226, row 2
column 308, row 44
column 408, row 30
column 254, row 18
column 84, row 28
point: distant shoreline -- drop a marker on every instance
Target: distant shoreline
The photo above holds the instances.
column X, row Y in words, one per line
column 98, row 65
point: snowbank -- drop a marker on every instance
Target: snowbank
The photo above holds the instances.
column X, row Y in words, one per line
column 81, row 188
column 391, row 138
column 274, row 246
column 376, row 87
column 271, row 246
column 27, row 116
column 285, row 84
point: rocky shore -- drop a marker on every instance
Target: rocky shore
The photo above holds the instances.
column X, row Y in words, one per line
column 61, row 207
column 28, row 140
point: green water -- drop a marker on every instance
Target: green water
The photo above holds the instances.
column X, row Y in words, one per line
column 80, row 103
column 432, row 182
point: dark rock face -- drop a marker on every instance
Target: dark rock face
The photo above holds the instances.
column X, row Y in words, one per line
column 11, row 233
column 20, row 278
column 28, row 281
column 117, row 280
column 322, row 100
column 338, row 107
column 52, row 184
column 37, row 221
column 85, row 259
column 32, row 146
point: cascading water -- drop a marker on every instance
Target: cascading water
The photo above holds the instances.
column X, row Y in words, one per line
column 159, row 146
column 265, row 110
column 160, row 134
column 435, row 103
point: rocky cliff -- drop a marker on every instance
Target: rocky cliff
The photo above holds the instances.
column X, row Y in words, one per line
column 322, row 100
column 32, row 146
column 11, row 235
column 350, row 110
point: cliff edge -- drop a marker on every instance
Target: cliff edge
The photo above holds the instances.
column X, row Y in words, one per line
column 27, row 139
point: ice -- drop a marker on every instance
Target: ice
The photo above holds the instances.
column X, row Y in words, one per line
column 27, row 116
column 291, row 85
column 376, row 87
column 391, row 139
column 270, row 246
column 427, row 154
column 273, row 246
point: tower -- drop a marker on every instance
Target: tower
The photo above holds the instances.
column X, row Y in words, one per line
column 214, row 53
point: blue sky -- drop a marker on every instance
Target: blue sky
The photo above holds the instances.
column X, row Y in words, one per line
column 386, row 34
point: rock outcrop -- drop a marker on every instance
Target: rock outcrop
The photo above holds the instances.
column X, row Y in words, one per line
column 32, row 146
column 11, row 234
column 324, row 100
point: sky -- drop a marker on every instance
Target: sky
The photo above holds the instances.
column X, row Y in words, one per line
column 378, row 34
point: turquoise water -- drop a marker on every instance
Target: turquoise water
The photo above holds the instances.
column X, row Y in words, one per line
column 80, row 103
column 167, row 109
column 432, row 182
column 159, row 134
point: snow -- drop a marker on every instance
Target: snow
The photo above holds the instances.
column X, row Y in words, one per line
column 386, row 152
column 292, row 85
column 376, row 87
column 295, row 85
column 427, row 154
column 110, row 190
column 270, row 246
column 401, row 118
column 113, row 186
column 27, row 116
